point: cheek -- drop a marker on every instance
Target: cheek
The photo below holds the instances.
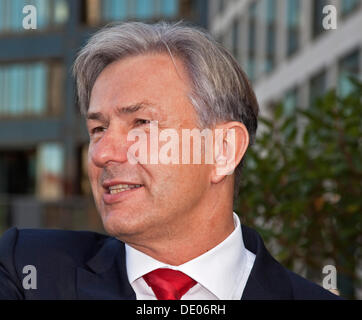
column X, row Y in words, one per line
column 93, row 172
column 178, row 181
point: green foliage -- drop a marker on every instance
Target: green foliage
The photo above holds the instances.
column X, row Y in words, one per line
column 302, row 182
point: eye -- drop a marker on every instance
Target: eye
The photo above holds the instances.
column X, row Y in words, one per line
column 140, row 122
column 97, row 129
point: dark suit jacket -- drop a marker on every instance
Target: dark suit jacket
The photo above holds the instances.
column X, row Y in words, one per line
column 88, row 265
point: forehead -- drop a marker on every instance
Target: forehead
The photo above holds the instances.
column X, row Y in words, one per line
column 151, row 77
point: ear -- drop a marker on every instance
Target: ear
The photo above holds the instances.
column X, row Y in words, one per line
column 231, row 143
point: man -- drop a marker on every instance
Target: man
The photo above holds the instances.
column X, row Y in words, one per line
column 172, row 230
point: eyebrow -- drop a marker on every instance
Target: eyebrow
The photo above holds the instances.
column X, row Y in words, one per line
column 130, row 109
column 120, row 111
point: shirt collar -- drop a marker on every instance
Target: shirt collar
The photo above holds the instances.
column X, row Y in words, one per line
column 217, row 270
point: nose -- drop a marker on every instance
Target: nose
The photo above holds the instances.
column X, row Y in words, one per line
column 112, row 146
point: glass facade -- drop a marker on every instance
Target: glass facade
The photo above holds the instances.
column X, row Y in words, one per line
column 17, row 171
column 50, row 167
column 221, row 5
column 348, row 67
column 270, row 34
column 138, row 9
column 25, row 88
column 318, row 17
column 253, row 9
column 348, row 6
column 318, row 85
column 293, row 20
column 236, row 38
column 98, row 12
column 48, row 14
column 84, row 180
column 291, row 101
column 265, row 14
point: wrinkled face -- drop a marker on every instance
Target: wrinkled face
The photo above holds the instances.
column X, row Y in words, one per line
column 148, row 200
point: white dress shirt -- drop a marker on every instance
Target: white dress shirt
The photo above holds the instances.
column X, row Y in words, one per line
column 221, row 273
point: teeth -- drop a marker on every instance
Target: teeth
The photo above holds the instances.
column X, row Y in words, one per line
column 122, row 187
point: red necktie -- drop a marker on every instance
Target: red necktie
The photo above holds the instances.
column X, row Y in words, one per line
column 168, row 284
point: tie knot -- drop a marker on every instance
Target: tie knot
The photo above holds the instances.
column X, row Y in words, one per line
column 168, row 284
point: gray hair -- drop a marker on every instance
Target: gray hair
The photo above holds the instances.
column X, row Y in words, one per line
column 220, row 90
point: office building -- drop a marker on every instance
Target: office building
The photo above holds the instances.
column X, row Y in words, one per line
column 285, row 49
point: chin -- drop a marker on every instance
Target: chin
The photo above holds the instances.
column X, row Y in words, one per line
column 122, row 225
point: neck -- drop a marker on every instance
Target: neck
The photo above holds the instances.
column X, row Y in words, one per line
column 208, row 225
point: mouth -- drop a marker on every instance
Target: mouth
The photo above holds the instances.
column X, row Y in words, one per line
column 122, row 188
column 115, row 193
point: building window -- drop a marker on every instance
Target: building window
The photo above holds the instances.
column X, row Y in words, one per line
column 115, row 10
column 17, row 171
column 30, row 89
column 349, row 6
column 221, row 7
column 348, row 67
column 50, row 168
column 318, row 16
column 100, row 11
column 48, row 13
column 293, row 33
column 236, row 38
column 291, row 101
column 318, row 86
column 252, row 40
column 270, row 35
column 85, row 187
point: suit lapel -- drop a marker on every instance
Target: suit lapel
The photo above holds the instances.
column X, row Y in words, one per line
column 105, row 276
column 268, row 279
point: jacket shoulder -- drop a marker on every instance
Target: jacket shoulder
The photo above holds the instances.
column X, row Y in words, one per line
column 271, row 280
column 47, row 247
column 304, row 289
column 55, row 254
column 38, row 243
